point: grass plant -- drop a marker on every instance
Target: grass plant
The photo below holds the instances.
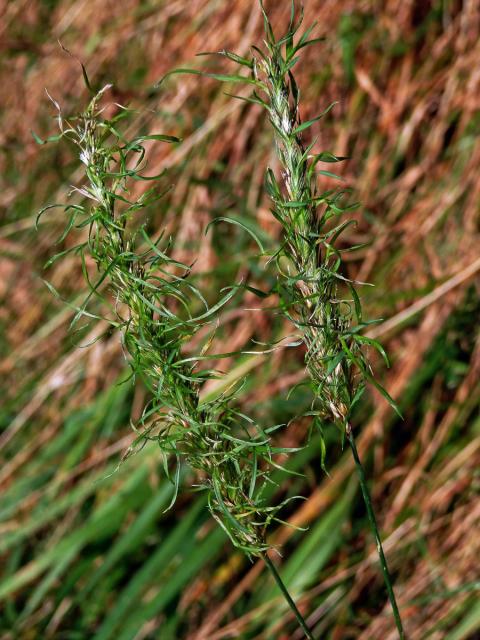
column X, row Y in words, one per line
column 312, row 285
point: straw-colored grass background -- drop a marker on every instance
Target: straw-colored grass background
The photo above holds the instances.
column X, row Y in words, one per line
column 88, row 554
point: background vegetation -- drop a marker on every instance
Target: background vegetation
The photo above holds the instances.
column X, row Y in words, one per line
column 90, row 553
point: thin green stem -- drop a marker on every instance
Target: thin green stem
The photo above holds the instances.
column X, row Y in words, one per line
column 287, row 596
column 373, row 522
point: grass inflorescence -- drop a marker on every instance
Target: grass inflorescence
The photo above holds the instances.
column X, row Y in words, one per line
column 157, row 309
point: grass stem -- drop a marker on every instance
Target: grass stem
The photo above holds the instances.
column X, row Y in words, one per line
column 287, row 596
column 373, row 523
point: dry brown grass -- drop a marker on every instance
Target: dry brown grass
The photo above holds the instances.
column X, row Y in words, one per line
column 409, row 118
